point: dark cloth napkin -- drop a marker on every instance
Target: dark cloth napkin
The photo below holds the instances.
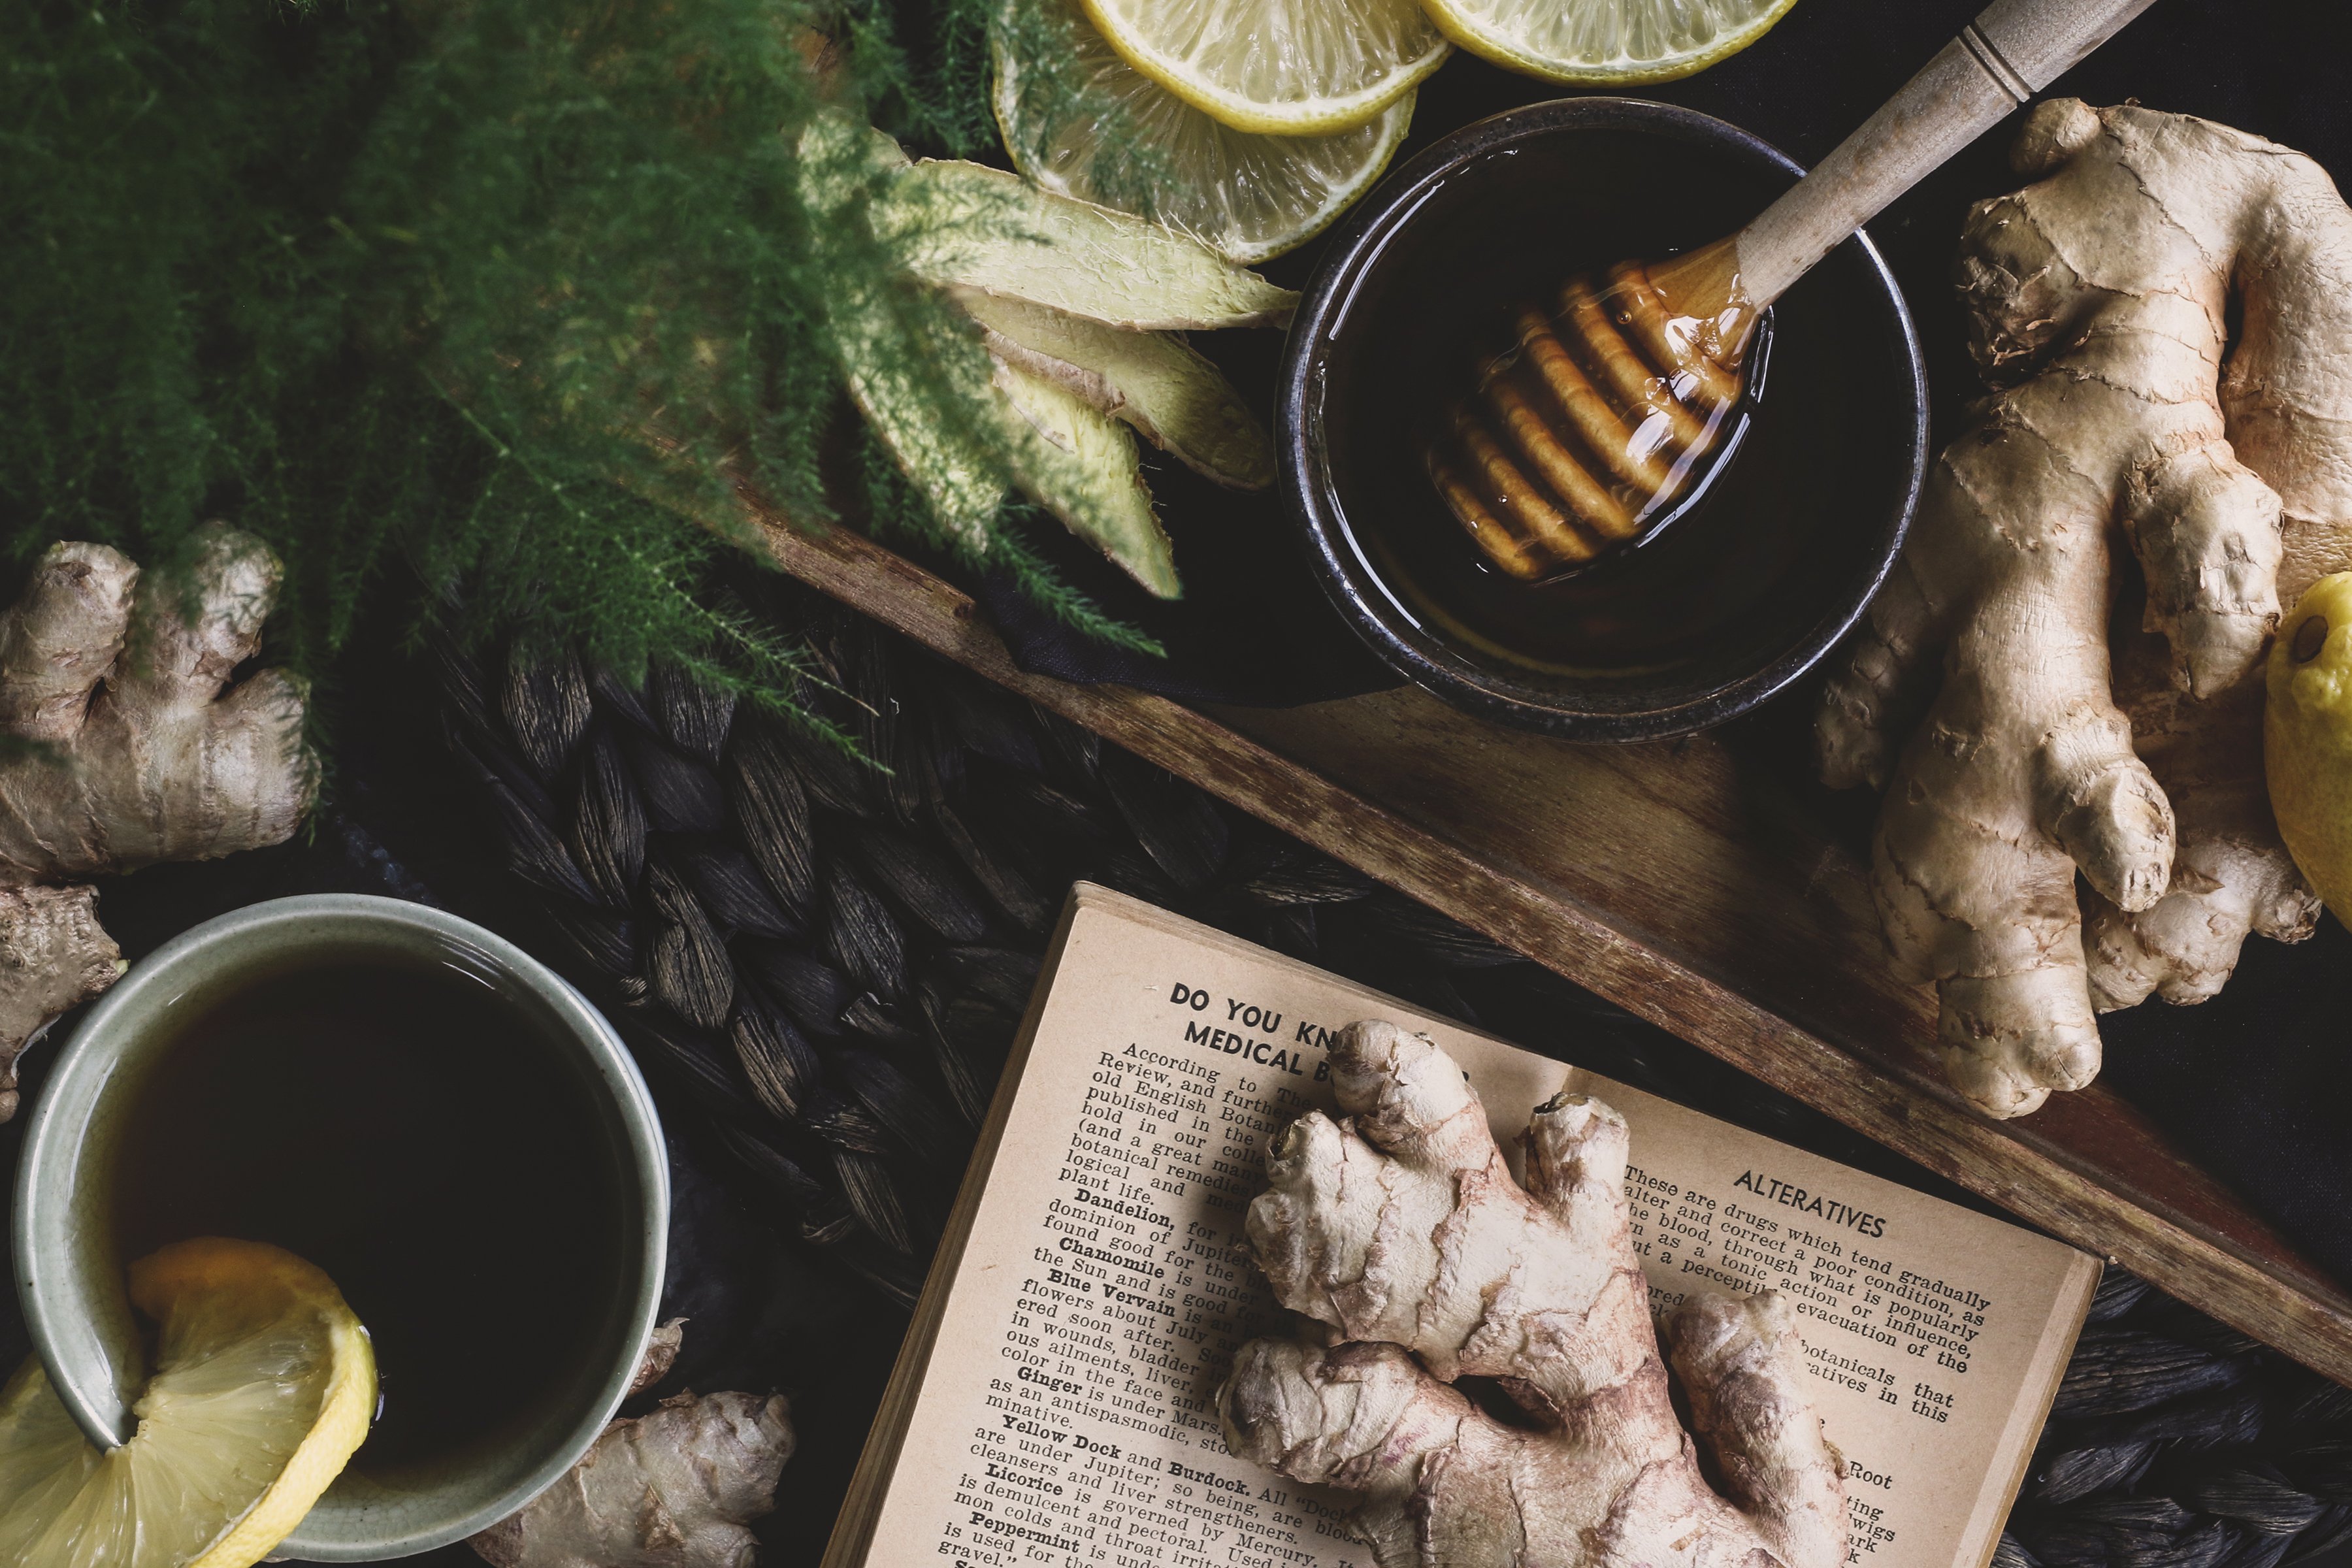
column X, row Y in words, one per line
column 2256, row 1085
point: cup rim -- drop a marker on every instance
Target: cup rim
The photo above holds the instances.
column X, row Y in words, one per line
column 86, row 1063
column 1308, row 487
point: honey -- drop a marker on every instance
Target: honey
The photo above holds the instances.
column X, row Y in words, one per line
column 1769, row 522
column 1604, row 417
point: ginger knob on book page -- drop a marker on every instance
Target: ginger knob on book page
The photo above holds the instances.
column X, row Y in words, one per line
column 1400, row 1228
column 1056, row 1399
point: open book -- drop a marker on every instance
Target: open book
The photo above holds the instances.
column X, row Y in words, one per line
column 1054, row 1402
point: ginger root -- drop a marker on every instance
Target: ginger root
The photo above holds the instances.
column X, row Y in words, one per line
column 1402, row 1229
column 121, row 750
column 2068, row 733
column 673, row 1488
column 1068, row 300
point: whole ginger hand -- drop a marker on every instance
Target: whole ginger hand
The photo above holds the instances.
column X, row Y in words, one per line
column 1402, row 1229
column 2063, row 718
column 676, row 1487
column 118, row 750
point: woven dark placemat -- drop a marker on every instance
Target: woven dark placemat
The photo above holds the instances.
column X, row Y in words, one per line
column 822, row 964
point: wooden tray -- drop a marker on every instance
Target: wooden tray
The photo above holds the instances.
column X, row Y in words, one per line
column 1686, row 882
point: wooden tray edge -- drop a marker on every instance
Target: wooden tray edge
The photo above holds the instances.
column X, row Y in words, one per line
column 2308, row 1322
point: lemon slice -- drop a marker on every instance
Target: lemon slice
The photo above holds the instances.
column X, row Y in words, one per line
column 1613, row 43
column 1286, row 67
column 1247, row 195
column 263, row 1384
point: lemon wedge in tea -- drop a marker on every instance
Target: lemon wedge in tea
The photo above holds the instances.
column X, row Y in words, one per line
column 263, row 1385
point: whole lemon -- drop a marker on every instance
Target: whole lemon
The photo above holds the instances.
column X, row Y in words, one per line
column 2307, row 738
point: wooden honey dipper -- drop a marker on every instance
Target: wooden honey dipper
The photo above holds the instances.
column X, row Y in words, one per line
column 1601, row 422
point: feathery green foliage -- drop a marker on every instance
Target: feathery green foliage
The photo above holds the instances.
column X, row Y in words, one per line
column 371, row 278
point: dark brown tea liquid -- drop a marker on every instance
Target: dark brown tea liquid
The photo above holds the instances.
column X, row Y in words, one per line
column 1744, row 568
column 408, row 1131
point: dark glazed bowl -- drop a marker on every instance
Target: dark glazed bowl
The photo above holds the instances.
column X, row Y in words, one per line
column 1725, row 607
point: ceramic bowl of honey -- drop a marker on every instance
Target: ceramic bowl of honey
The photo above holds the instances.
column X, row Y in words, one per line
column 1690, row 625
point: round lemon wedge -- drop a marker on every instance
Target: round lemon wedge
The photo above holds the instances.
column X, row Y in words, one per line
column 263, row 1384
column 2307, row 738
column 1606, row 42
column 1247, row 195
column 1282, row 67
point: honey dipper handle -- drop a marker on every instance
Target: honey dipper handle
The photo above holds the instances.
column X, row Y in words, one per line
column 2012, row 50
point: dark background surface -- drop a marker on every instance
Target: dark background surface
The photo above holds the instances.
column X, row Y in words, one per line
column 2255, row 1084
column 2252, row 1084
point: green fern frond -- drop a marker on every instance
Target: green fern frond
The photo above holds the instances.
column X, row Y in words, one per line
column 513, row 289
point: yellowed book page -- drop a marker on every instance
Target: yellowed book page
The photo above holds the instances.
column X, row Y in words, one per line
column 1067, row 1414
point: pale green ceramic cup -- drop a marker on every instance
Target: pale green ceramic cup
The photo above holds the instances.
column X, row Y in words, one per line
column 70, row 1277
